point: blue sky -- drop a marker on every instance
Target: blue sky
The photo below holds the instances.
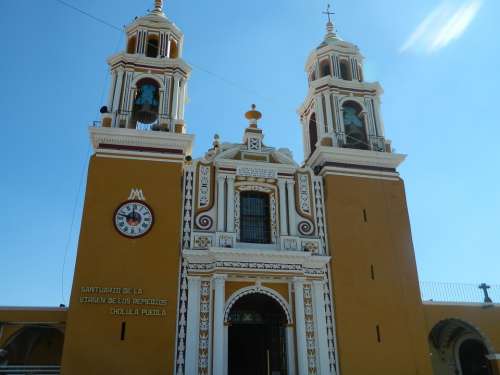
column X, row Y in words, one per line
column 437, row 61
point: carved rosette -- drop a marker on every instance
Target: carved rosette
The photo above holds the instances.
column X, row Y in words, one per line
column 203, row 361
column 310, row 334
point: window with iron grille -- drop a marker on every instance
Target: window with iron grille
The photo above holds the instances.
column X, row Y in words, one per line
column 255, row 217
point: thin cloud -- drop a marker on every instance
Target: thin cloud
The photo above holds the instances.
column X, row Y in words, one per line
column 447, row 22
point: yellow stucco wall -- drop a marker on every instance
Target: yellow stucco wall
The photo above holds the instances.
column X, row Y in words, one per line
column 149, row 265
column 390, row 301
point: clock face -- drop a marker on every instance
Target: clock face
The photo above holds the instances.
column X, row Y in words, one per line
column 133, row 219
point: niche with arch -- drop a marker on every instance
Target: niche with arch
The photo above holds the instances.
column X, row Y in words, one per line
column 132, row 44
column 146, row 102
column 174, row 49
column 345, row 70
column 152, row 47
column 324, row 68
column 313, row 133
column 354, row 126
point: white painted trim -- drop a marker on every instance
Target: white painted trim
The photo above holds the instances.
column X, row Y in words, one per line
column 132, row 156
column 300, row 329
column 193, row 325
column 392, row 176
column 257, row 289
column 133, row 137
column 354, row 157
column 218, row 325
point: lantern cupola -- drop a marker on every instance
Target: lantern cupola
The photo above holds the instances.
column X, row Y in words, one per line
column 149, row 78
column 341, row 112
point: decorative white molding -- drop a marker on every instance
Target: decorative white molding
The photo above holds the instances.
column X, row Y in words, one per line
column 174, row 144
column 204, row 340
column 356, row 158
column 493, row 357
column 310, row 330
column 257, row 289
column 224, row 260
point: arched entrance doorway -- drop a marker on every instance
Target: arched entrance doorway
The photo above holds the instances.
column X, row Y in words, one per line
column 472, row 356
column 257, row 336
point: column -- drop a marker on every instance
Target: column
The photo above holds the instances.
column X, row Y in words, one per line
column 329, row 117
column 193, row 325
column 291, row 208
column 282, row 204
column 119, row 82
column 218, row 348
column 220, row 203
column 321, row 331
column 175, row 98
column 230, row 203
column 182, row 99
column 290, row 347
column 300, row 327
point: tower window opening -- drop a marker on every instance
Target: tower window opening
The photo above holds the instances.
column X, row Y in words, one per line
column 354, row 125
column 345, row 70
column 146, row 102
column 365, row 216
column 324, row 68
column 152, row 46
column 174, row 50
column 313, row 133
column 255, row 226
column 131, row 45
column 372, row 272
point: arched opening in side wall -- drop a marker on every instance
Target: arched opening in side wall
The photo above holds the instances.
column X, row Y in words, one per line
column 34, row 346
column 313, row 133
column 458, row 348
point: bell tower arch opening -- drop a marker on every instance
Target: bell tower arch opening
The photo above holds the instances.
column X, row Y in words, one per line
column 313, row 134
column 146, row 102
column 257, row 336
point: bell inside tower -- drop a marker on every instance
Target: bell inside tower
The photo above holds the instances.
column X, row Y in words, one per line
column 146, row 102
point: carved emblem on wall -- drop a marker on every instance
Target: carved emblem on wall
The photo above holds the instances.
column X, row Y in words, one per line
column 204, row 196
column 204, row 187
column 202, row 241
column 136, row 194
column 256, row 172
column 306, row 228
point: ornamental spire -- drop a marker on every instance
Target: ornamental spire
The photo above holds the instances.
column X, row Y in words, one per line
column 158, row 6
column 330, row 28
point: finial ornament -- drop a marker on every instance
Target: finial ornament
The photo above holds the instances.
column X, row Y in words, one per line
column 159, row 5
column 253, row 116
column 329, row 26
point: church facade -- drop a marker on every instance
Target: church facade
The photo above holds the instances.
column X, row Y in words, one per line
column 243, row 261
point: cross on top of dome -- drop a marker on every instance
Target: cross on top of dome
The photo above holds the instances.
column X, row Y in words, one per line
column 329, row 26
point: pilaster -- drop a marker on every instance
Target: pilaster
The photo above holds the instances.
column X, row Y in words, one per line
column 221, row 203
column 300, row 327
column 219, row 332
column 230, row 203
column 193, row 325
column 282, row 204
column 291, row 208
column 320, row 317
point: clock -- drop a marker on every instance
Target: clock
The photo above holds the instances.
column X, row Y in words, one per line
column 133, row 219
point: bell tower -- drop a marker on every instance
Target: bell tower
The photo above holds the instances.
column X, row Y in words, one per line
column 126, row 286
column 341, row 109
column 379, row 319
column 149, row 78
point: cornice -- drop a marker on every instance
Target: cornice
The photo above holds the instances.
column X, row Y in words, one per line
column 298, row 258
column 327, row 156
column 149, row 62
column 136, row 142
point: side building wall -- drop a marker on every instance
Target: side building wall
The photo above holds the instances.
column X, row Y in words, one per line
column 122, row 317
column 378, row 312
